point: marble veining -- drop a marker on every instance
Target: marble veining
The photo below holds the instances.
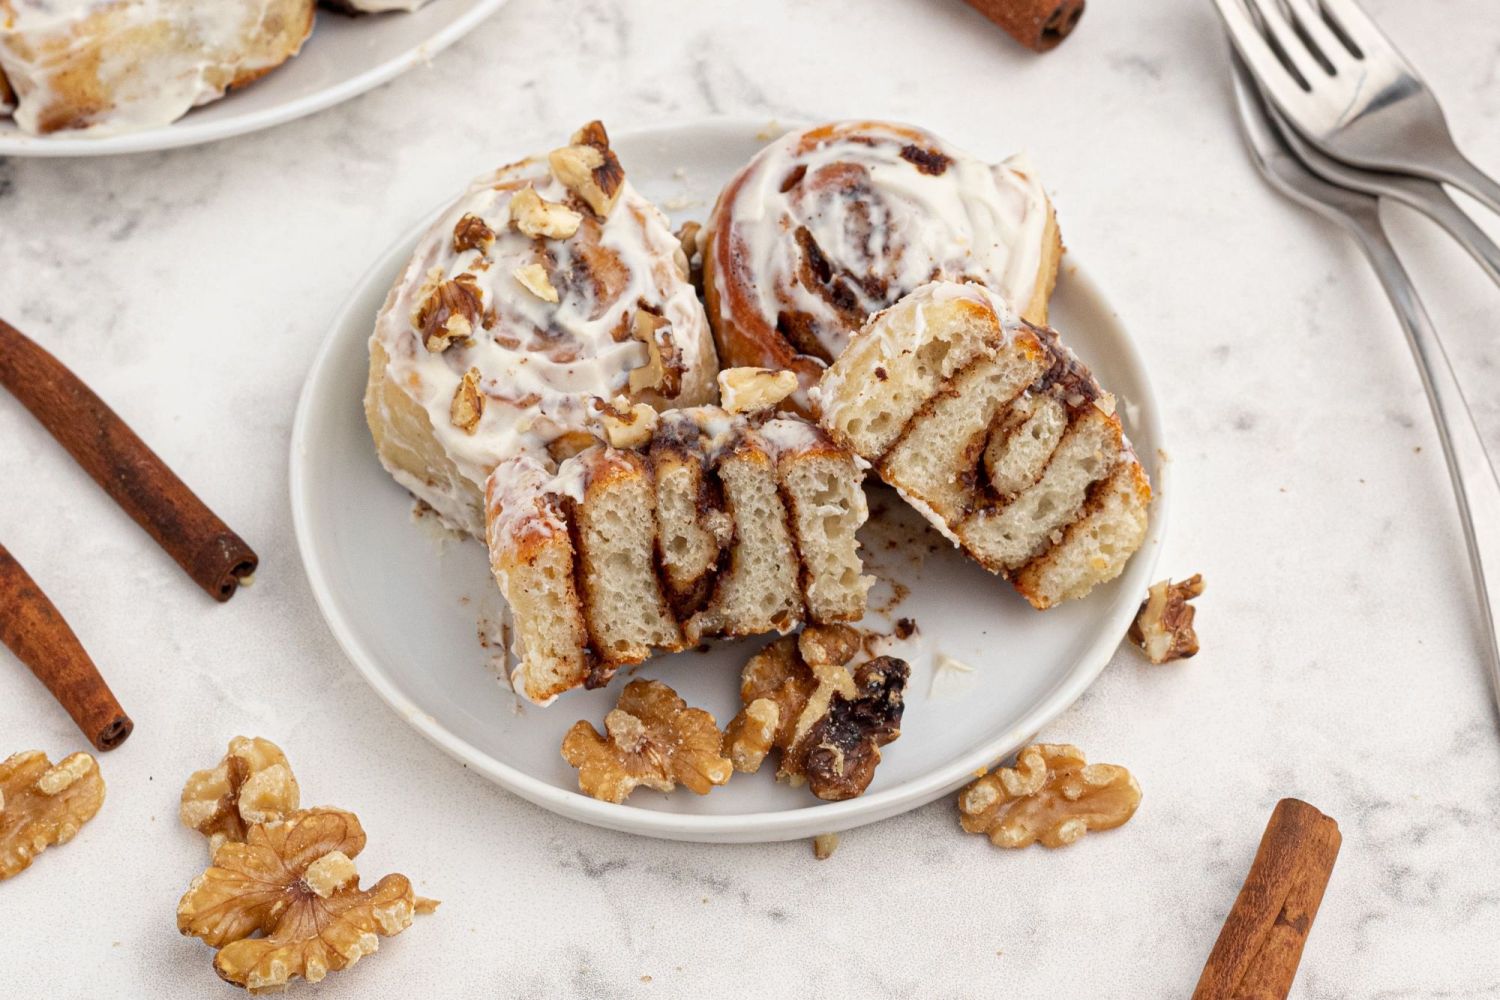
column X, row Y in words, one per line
column 1341, row 656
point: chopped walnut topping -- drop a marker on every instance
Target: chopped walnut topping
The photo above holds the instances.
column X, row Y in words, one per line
column 653, row 739
column 831, row 721
column 688, row 262
column 589, row 168
column 538, row 218
column 1163, row 628
column 824, row 844
column 295, row 883
column 663, row 369
column 472, row 233
column 745, row 390
column 468, row 403
column 627, row 424
column 533, row 278
column 252, row 784
column 749, row 736
column 449, row 311
column 1052, row 794
column 42, row 804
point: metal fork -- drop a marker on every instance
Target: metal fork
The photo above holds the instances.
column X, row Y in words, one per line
column 1348, row 90
column 1474, row 482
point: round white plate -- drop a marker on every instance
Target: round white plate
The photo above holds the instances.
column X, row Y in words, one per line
column 345, row 57
column 418, row 614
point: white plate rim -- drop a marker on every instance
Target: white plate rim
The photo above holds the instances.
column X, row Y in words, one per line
column 819, row 817
column 186, row 132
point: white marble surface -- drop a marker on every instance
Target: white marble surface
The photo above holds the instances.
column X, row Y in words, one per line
column 1341, row 654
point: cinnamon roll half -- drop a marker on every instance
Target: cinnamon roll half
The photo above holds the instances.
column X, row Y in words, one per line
column 549, row 286
column 830, row 224
column 997, row 434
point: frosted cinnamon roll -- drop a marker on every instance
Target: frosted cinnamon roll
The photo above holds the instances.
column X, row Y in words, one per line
column 828, row 225
column 117, row 65
column 548, row 286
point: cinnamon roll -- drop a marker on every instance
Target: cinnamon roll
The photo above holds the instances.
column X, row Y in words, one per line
column 997, row 434
column 549, row 286
column 828, row 225
column 697, row 522
column 117, row 65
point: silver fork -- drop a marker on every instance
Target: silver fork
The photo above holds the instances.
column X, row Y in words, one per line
column 1348, row 90
column 1474, row 482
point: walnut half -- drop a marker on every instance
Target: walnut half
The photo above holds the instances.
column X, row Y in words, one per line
column 1052, row 795
column 589, row 168
column 830, row 721
column 651, row 738
column 252, row 784
column 1163, row 628
column 294, row 883
column 42, row 804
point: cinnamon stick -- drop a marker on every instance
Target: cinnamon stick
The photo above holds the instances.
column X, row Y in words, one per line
column 215, row 557
column 1260, row 944
column 39, row 636
column 1037, row 24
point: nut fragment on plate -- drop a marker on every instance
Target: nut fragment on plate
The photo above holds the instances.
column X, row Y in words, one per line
column 824, row 844
column 42, row 804
column 745, row 390
column 589, row 168
column 831, row 720
column 1052, row 795
column 651, row 738
column 750, row 734
column 293, row 882
column 1163, row 628
column 252, row 784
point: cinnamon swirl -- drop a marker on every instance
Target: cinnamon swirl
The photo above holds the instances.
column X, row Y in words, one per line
column 828, row 225
column 116, row 65
column 550, row 285
column 997, row 434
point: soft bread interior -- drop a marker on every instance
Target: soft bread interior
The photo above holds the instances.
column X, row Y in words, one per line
column 827, row 509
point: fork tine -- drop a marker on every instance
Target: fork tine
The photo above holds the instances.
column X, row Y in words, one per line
column 1262, row 62
column 1309, row 19
column 1360, row 28
column 1274, row 20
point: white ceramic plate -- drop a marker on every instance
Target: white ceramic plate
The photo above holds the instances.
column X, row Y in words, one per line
column 414, row 610
column 345, row 57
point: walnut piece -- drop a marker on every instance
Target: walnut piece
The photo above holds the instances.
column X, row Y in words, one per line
column 627, row 424
column 42, row 804
column 538, row 218
column 745, row 390
column 293, row 881
column 662, row 371
column 1052, row 794
column 824, row 844
column 652, row 739
column 831, row 721
column 468, row 403
column 252, row 784
column 1163, row 628
column 589, row 168
column 449, row 311
column 533, row 278
column 689, row 263
column 472, row 233
column 750, row 735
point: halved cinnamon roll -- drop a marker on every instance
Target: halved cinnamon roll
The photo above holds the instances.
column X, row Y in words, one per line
column 116, row 65
column 696, row 522
column 549, row 285
column 830, row 224
column 997, row 434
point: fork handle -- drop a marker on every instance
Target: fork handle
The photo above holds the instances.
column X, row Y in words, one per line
column 1474, row 482
column 1433, row 201
column 1452, row 167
